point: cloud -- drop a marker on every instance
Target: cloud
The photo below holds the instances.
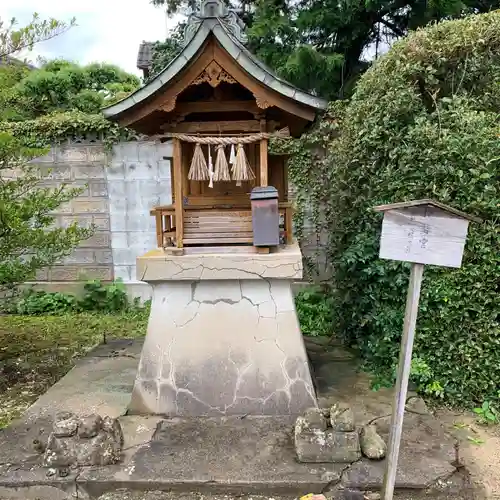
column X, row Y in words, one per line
column 107, row 30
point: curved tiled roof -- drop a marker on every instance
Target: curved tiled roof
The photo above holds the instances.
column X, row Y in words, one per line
column 212, row 25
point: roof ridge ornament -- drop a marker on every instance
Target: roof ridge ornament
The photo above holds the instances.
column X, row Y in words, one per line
column 210, row 9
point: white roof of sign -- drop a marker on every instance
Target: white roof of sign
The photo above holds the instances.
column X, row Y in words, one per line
column 417, row 203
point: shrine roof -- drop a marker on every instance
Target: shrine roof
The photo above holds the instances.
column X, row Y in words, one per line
column 232, row 44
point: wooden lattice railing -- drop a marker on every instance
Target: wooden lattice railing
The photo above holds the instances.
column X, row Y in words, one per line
column 211, row 225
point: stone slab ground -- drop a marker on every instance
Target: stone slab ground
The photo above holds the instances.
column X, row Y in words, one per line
column 221, row 457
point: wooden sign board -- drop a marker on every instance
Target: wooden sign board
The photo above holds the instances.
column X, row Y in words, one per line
column 423, row 234
column 420, row 232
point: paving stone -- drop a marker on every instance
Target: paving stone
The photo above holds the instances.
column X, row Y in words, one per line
column 250, row 455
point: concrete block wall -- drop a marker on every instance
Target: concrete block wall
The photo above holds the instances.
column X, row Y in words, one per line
column 119, row 189
column 138, row 179
column 80, row 165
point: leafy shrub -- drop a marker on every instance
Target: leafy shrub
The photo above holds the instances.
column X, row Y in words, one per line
column 96, row 298
column 314, row 310
column 422, row 123
column 110, row 298
column 40, row 302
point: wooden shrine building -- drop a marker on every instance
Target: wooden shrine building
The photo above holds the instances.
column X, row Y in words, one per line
column 220, row 106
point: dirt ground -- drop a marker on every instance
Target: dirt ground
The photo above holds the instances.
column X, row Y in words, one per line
column 480, row 448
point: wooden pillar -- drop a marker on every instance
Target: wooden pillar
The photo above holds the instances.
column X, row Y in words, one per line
column 178, row 182
column 263, row 163
column 159, row 228
column 185, row 170
column 264, row 174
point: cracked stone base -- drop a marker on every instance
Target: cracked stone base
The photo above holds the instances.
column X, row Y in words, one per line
column 227, row 346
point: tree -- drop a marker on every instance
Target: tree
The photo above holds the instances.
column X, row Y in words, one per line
column 61, row 85
column 12, row 106
column 28, row 239
column 323, row 45
column 165, row 52
column 13, row 39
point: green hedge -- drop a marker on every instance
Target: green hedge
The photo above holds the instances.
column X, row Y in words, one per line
column 423, row 123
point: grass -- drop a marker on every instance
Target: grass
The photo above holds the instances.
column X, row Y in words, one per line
column 36, row 351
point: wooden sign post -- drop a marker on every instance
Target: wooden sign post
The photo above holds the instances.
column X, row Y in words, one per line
column 420, row 232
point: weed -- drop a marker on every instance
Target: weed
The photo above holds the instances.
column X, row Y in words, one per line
column 486, row 414
column 315, row 312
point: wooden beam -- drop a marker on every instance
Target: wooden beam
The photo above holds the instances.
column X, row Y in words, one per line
column 178, row 182
column 214, row 127
column 185, row 108
column 170, row 209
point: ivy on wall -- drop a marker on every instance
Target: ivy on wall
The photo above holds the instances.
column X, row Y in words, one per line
column 57, row 127
column 309, row 171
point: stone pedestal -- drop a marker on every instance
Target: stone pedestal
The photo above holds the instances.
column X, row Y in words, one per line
column 223, row 336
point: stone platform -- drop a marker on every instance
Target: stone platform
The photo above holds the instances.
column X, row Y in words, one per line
column 209, row 458
column 223, row 337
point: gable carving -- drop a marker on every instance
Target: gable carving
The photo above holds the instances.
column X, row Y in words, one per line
column 213, row 74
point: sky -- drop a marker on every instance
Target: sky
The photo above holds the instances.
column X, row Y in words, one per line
column 107, row 30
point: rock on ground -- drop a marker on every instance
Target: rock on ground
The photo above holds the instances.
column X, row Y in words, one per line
column 88, row 440
column 372, row 444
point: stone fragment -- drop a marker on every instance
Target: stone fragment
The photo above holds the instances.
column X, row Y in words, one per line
column 112, row 426
column 372, row 444
column 326, row 413
column 342, row 418
column 314, row 419
column 102, row 449
column 316, row 446
column 97, row 442
column 63, row 472
column 66, row 427
column 89, row 426
column 63, row 415
column 416, row 404
column 38, row 446
column 60, row 452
